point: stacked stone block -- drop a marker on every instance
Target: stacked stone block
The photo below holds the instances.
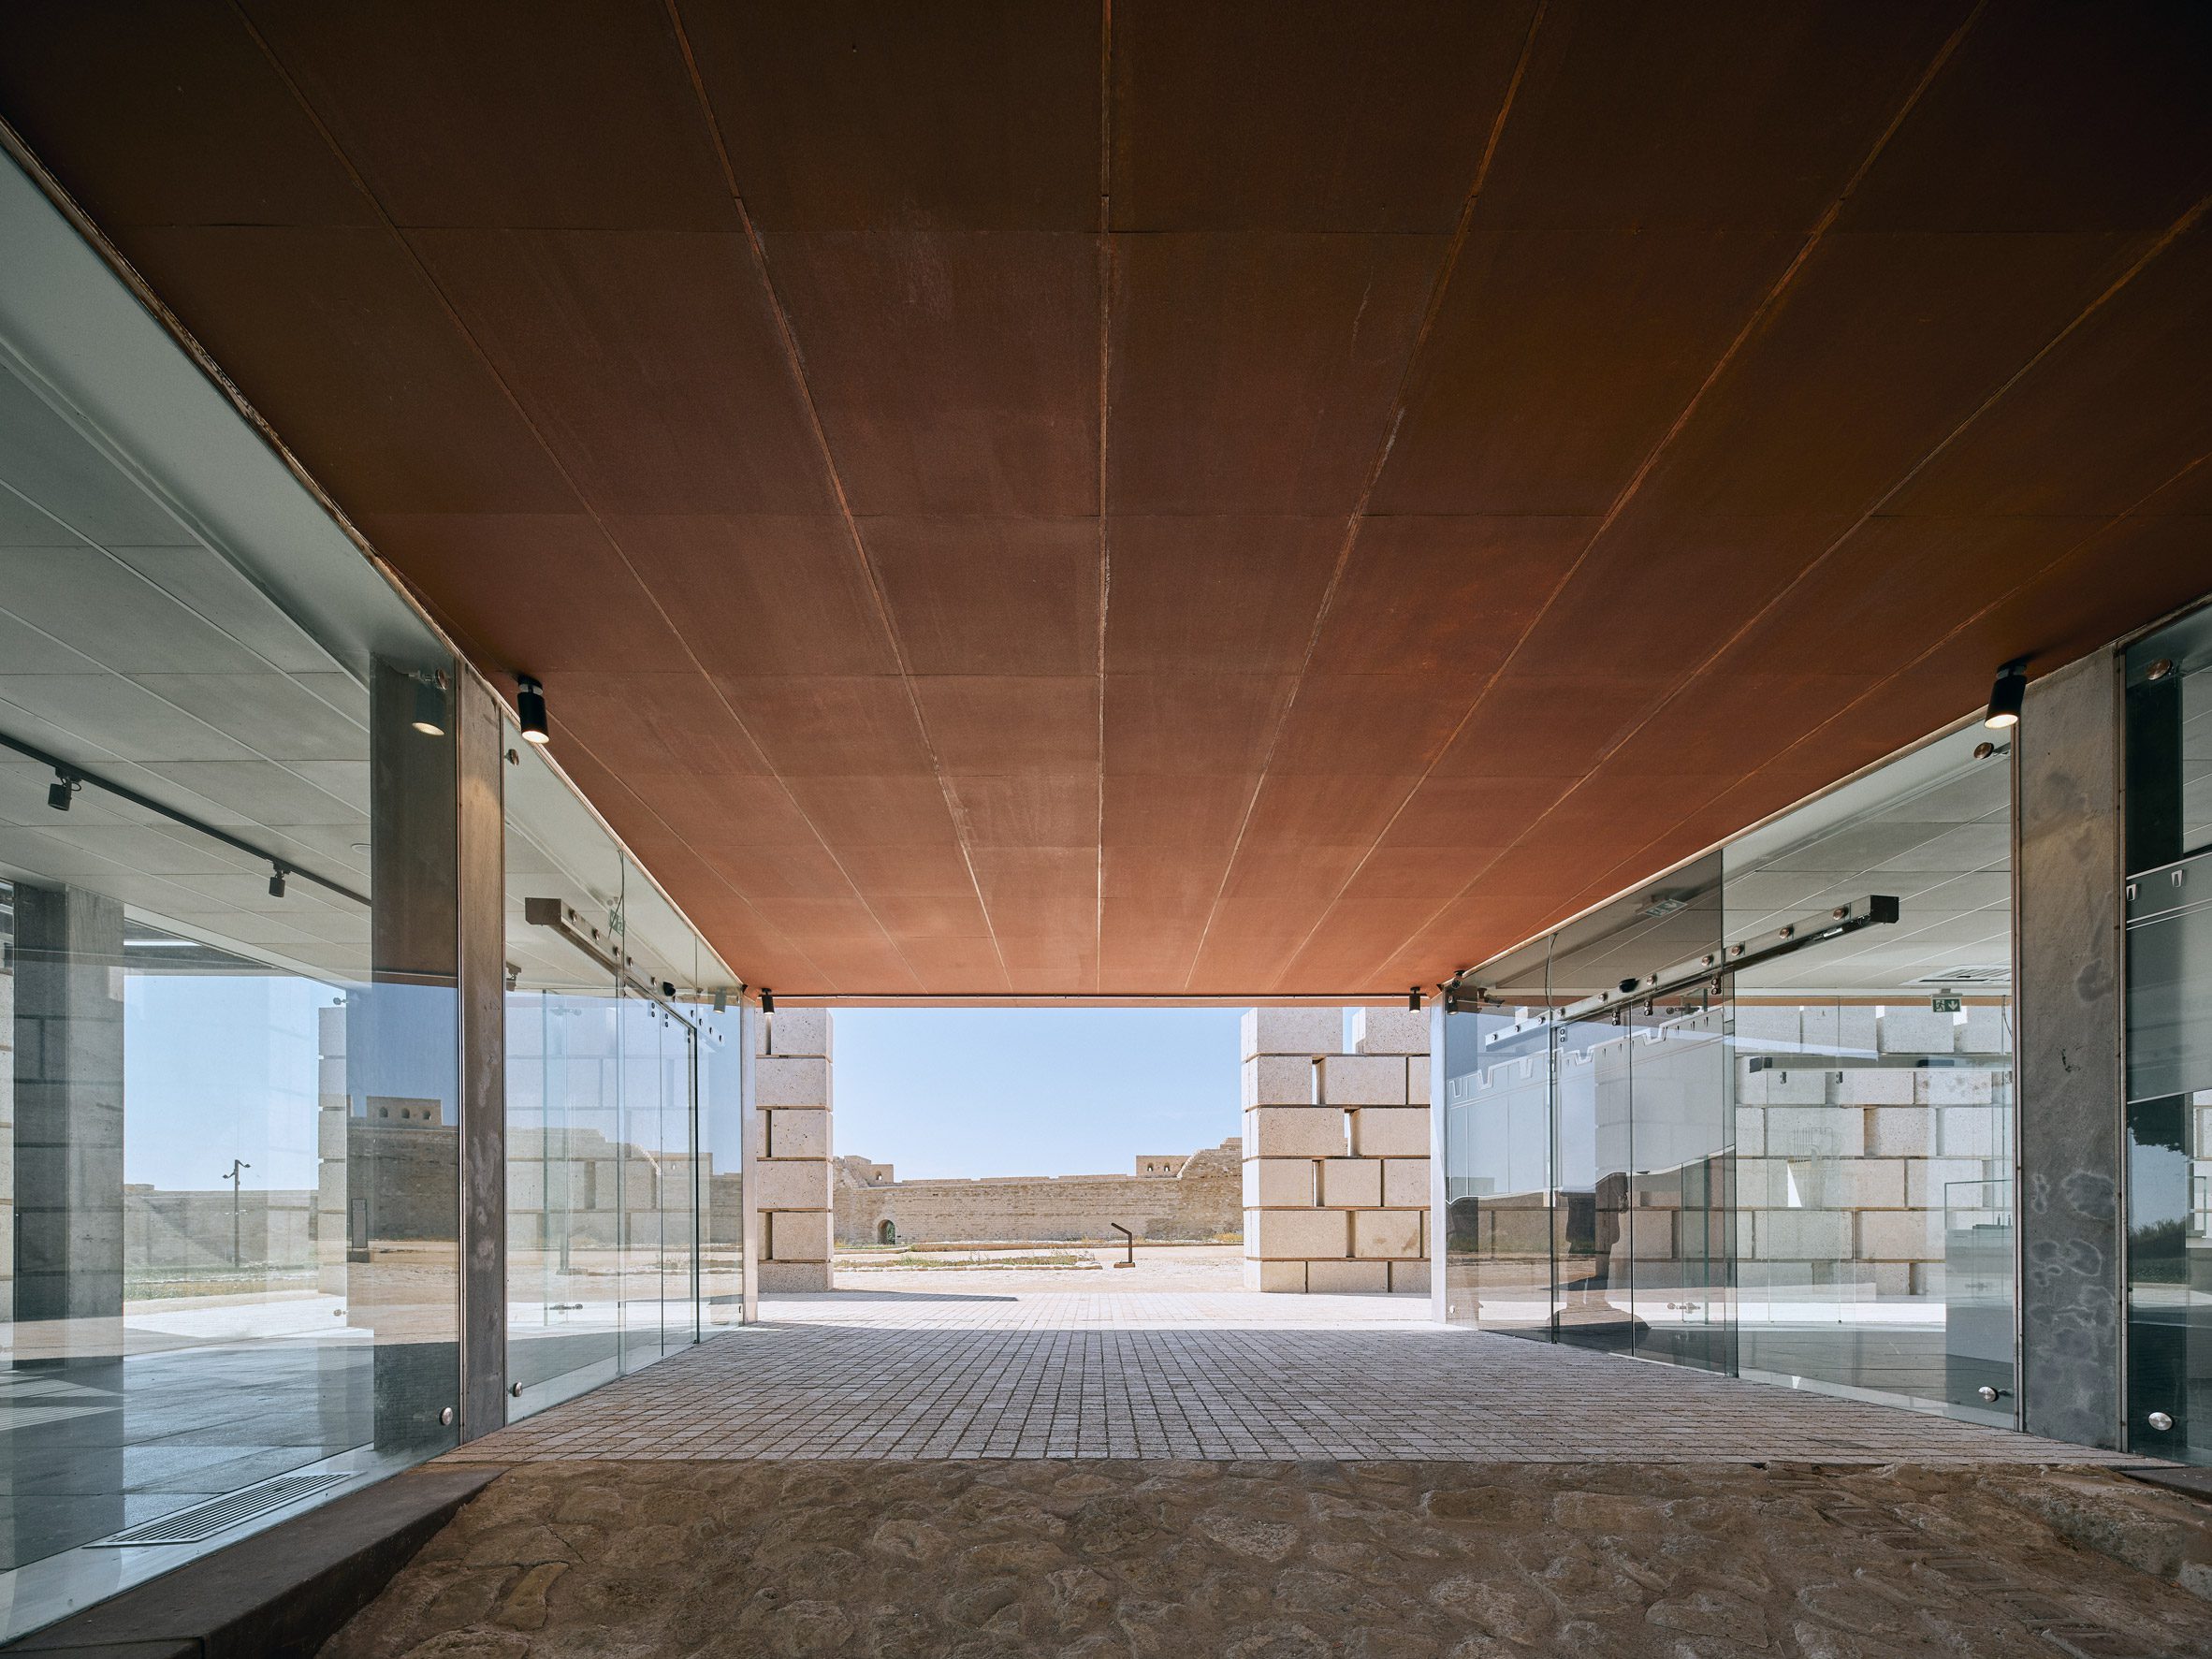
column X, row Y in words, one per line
column 1337, row 1151
column 1844, row 1174
column 792, row 1188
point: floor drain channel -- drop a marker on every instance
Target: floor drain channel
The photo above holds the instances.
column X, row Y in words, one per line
column 204, row 1521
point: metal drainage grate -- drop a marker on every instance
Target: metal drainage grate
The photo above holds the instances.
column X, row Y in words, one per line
column 204, row 1521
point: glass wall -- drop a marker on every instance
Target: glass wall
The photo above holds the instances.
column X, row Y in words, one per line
column 228, row 1063
column 624, row 1107
column 2169, row 1041
column 1729, row 1122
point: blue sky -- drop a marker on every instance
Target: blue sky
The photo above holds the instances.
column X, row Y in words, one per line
column 1032, row 1091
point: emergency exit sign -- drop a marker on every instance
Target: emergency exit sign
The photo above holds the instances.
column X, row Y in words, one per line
column 1944, row 1005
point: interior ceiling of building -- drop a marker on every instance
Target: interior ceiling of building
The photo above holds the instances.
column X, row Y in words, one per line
column 1194, row 499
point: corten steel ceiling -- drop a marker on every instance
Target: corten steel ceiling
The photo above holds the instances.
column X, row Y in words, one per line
column 1217, row 498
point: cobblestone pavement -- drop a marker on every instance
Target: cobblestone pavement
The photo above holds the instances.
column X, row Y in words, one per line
column 989, row 1368
column 1277, row 1560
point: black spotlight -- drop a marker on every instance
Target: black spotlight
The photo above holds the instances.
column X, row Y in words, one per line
column 530, row 708
column 1412, row 999
column 2007, row 694
column 61, row 789
column 767, row 1002
column 667, row 987
column 276, row 883
column 430, row 708
column 1451, row 996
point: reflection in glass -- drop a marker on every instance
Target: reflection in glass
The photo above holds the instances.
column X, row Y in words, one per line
column 2169, row 1041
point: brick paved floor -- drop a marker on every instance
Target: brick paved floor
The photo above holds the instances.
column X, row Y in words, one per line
column 1003, row 1365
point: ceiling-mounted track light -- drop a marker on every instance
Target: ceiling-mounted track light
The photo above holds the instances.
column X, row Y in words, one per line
column 1412, row 999
column 63, row 786
column 276, row 881
column 530, row 710
column 429, row 704
column 2007, row 694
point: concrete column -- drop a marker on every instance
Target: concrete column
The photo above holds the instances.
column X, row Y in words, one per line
column 790, row 1189
column 68, row 1111
column 2066, row 759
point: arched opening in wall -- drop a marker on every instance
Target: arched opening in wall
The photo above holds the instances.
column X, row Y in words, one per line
column 887, row 1233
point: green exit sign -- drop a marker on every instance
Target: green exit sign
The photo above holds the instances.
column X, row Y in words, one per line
column 1944, row 1005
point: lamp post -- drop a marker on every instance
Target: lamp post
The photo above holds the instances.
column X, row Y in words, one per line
column 236, row 1169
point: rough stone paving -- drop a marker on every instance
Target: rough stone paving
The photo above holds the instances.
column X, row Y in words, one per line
column 1278, row 1560
column 982, row 1464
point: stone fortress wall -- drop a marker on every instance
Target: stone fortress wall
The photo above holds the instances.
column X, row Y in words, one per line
column 1183, row 1197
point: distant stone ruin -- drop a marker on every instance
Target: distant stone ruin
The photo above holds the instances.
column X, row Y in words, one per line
column 1185, row 1197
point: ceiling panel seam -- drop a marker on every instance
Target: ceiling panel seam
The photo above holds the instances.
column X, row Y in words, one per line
column 961, row 829
column 507, row 392
column 1766, row 306
column 1439, row 285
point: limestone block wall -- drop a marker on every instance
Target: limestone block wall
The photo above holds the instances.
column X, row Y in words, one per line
column 1855, row 1175
column 1336, row 1150
column 792, row 1188
column 1195, row 1198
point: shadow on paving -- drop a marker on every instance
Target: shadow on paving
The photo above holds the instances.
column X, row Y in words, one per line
column 1299, row 1560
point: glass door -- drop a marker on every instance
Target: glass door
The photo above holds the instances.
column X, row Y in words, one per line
column 1679, row 1220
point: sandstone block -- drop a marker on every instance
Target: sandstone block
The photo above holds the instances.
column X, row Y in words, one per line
column 1347, row 1279
column 798, row 1235
column 1351, row 1183
column 1280, row 1235
column 1386, row 1233
column 783, row 1278
column 797, row 1031
column 1416, row 1081
column 1815, row 1131
column 1390, row 1031
column 797, row 1183
column 1274, row 1275
column 1292, row 1031
column 1391, row 1132
column 1279, row 1080
column 1363, row 1080
column 788, row 1081
column 1952, row 1086
column 1915, row 1032
column 1750, row 1131
column 1983, row 1032
column 1899, row 1235
column 1970, row 1131
column 1762, row 1026
column 1800, row 1085
column 1800, row 1235
column 1861, row 1183
column 1405, row 1183
column 1295, row 1131
column 1869, row 1085
column 1935, row 1182
column 1898, row 1131
column 798, row 1131
column 1409, row 1279
column 1278, row 1183
column 1839, row 1028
